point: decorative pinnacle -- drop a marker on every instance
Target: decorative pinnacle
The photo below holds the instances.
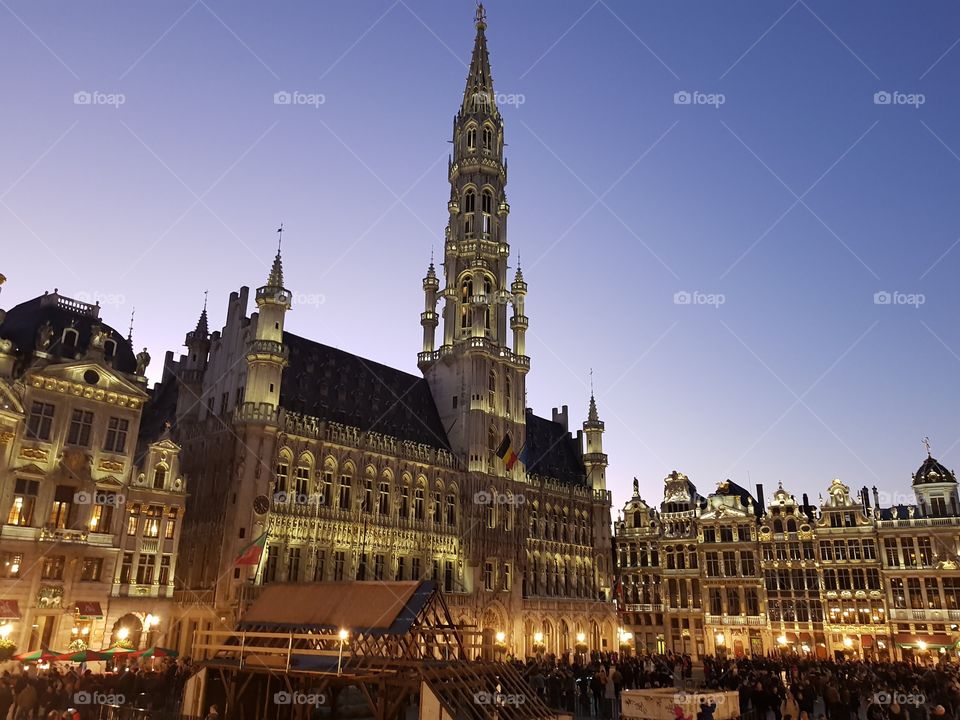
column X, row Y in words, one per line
column 636, row 488
column 926, row 444
column 202, row 330
column 481, row 17
column 130, row 331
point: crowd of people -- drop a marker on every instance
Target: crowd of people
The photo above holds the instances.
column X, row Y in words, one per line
column 73, row 693
column 788, row 688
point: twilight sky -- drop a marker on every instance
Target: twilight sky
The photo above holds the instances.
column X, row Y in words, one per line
column 779, row 201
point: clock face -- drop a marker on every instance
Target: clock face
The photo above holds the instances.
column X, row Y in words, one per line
column 261, row 504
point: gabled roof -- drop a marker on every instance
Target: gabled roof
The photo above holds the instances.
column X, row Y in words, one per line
column 331, row 384
column 552, row 452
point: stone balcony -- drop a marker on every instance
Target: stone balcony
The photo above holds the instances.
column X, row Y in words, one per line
column 734, row 620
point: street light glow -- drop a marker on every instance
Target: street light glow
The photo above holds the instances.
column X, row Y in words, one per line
column 581, row 638
column 538, row 637
column 123, row 633
column 344, row 634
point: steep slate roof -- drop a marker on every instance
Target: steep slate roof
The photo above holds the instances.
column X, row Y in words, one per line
column 335, row 385
column 552, row 452
column 24, row 320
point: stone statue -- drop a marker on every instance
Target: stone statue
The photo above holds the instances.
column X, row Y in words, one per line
column 143, row 359
column 98, row 336
column 44, row 336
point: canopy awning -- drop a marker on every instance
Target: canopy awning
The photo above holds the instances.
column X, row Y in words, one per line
column 9, row 610
column 914, row 641
column 88, row 608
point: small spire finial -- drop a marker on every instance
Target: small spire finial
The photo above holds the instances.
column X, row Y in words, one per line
column 481, row 16
column 279, row 237
column 205, row 300
column 130, row 331
column 926, row 444
column 591, row 382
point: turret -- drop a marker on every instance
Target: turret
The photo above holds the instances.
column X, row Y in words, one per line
column 594, row 459
column 519, row 322
column 191, row 368
column 266, row 354
column 428, row 318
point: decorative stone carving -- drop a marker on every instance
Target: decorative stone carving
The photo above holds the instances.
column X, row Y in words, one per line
column 44, row 336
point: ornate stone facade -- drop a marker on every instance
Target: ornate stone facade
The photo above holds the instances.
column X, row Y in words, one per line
column 91, row 499
column 852, row 576
column 355, row 470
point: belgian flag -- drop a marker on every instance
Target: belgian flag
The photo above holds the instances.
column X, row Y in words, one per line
column 505, row 452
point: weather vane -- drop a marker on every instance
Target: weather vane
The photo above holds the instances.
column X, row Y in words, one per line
column 926, row 444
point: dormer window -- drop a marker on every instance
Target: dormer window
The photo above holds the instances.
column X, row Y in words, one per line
column 69, row 339
column 110, row 349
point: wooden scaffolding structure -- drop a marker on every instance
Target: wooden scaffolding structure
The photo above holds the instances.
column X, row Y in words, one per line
column 302, row 646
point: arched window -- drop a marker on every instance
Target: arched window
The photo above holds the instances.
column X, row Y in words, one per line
column 470, row 201
column 451, row 509
column 791, row 525
column 383, row 502
column 159, row 476
column 471, row 138
column 487, row 137
column 418, row 504
column 110, row 349
column 492, row 388
column 507, row 393
column 346, row 482
column 491, row 510
column 466, row 292
column 486, row 206
column 492, row 440
column 778, row 525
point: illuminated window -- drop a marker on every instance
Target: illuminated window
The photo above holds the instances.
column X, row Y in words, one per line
column 171, row 526
column 101, row 518
column 145, row 568
column 60, row 510
column 133, row 518
column 24, row 500
column 151, row 524
column 163, row 578
column 10, row 564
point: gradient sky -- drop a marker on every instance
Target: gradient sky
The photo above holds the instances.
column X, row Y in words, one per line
column 796, row 200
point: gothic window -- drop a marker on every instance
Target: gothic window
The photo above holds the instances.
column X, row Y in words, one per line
column 302, row 484
column 451, row 509
column 470, row 201
column 344, row 492
column 492, row 439
column 418, row 504
column 471, row 138
column 383, row 505
column 437, row 506
column 506, row 393
column 492, row 391
column 487, row 137
column 486, row 206
column 283, row 471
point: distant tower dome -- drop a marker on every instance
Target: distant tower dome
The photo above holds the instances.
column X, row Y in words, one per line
column 932, row 471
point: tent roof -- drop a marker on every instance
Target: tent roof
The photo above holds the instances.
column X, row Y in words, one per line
column 360, row 607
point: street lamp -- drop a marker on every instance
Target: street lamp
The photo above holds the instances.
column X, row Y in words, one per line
column 122, row 633
column 344, row 634
column 922, row 644
column 720, row 638
column 5, row 630
column 848, row 643
column 782, row 640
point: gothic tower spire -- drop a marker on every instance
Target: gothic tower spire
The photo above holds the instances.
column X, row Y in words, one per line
column 476, row 378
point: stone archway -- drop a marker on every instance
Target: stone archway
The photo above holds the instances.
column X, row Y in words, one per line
column 493, row 621
column 127, row 631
